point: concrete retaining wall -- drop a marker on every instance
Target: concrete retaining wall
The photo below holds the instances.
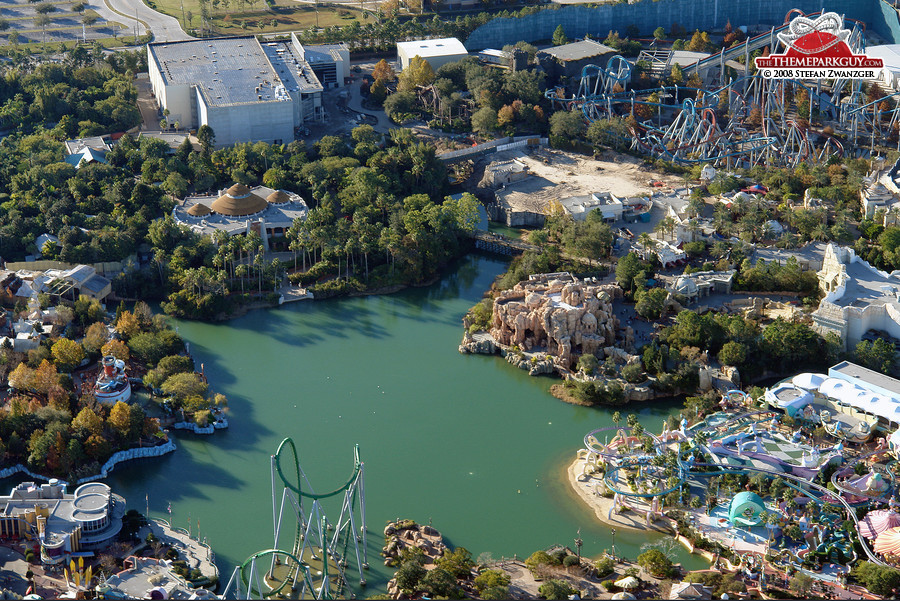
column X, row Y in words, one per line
column 116, row 458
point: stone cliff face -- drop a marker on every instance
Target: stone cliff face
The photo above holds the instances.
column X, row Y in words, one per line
column 563, row 317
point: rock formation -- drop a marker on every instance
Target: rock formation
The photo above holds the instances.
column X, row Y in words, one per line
column 402, row 534
column 406, row 533
column 559, row 314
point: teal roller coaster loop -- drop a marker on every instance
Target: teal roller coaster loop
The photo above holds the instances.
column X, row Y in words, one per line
column 309, row 495
column 249, row 568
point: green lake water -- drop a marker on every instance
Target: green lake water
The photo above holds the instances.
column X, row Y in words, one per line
column 469, row 443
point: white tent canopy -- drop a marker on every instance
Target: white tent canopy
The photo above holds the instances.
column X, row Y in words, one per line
column 808, row 381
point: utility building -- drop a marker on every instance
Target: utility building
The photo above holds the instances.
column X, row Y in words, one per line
column 436, row 52
column 244, row 90
column 569, row 59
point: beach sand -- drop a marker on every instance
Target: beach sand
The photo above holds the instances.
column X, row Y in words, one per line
column 585, row 487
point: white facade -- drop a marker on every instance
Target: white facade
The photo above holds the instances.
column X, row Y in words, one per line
column 267, row 121
column 436, row 52
column 858, row 297
column 244, row 90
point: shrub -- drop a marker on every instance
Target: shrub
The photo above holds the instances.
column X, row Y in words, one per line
column 605, row 565
column 656, row 562
column 634, row 373
column 490, row 579
column 570, row 560
column 538, row 558
column 609, row 585
column 556, row 589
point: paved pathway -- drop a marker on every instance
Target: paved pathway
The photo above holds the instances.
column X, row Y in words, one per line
column 163, row 27
column 382, row 124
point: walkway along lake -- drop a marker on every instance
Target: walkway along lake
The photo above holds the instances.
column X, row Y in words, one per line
column 468, row 442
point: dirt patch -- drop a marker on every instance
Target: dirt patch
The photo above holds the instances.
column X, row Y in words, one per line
column 621, row 174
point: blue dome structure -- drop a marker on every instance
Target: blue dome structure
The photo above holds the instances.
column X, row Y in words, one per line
column 740, row 504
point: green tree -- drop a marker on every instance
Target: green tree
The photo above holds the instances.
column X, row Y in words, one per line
column 168, row 366
column 410, row 575
column 207, row 138
column 559, row 36
column 566, row 126
column 440, row 583
column 556, row 589
column 733, row 353
column 628, row 268
column 878, row 355
column 882, row 581
column 491, row 578
column 67, row 354
column 484, row 120
column 184, row 385
column 650, row 303
column 659, row 33
column 656, row 562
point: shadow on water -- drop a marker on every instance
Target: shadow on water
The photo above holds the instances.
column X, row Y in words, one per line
column 468, row 441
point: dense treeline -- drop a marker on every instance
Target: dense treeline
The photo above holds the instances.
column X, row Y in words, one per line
column 782, row 346
column 58, row 430
column 469, row 97
column 369, row 224
column 383, row 35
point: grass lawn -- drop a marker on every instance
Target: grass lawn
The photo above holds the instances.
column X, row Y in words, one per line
column 288, row 15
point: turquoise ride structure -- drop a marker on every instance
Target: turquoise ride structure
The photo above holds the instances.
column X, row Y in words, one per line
column 741, row 504
column 623, row 458
column 320, row 549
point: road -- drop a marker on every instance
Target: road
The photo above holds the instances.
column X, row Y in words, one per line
column 163, row 27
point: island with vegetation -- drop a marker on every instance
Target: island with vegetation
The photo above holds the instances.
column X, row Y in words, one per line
column 52, row 424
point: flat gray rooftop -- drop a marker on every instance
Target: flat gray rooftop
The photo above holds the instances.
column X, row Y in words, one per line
column 228, row 70
column 866, row 287
column 578, row 50
column 867, row 375
column 323, row 53
column 812, row 253
column 291, row 68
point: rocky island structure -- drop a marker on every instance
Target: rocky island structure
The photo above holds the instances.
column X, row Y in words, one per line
column 546, row 323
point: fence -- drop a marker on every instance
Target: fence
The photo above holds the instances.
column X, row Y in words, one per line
column 113, row 267
column 494, row 145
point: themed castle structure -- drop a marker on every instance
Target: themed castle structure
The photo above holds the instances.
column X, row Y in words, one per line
column 112, row 384
column 557, row 312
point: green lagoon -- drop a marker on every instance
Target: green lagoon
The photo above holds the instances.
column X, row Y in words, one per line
column 469, row 443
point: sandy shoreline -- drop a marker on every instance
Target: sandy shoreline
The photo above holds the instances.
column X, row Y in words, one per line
column 584, row 487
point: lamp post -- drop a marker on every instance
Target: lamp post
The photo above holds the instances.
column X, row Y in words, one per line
column 613, row 531
column 578, row 544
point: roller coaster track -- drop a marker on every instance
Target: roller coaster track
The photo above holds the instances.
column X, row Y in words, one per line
column 685, row 470
column 693, row 134
column 823, row 491
column 312, row 540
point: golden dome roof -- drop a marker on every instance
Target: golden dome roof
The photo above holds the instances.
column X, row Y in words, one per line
column 198, row 210
column 278, row 197
column 238, row 200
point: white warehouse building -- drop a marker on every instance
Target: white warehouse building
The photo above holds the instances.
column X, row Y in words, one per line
column 246, row 91
column 436, row 52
